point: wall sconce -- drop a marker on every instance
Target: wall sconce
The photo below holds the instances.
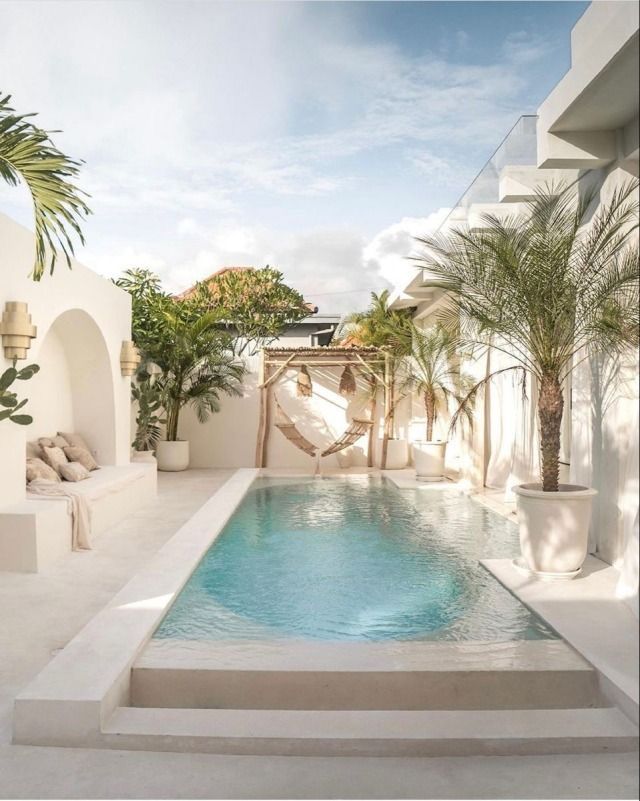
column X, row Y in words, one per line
column 16, row 329
column 129, row 357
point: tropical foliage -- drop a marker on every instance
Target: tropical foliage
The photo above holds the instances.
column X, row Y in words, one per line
column 149, row 416
column 9, row 403
column 434, row 373
column 390, row 330
column 28, row 154
column 198, row 367
column 549, row 287
column 257, row 303
column 190, row 346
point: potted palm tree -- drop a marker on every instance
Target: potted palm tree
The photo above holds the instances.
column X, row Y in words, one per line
column 198, row 365
column 391, row 331
column 433, row 373
column 551, row 287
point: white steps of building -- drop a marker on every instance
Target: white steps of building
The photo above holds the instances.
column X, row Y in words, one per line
column 371, row 732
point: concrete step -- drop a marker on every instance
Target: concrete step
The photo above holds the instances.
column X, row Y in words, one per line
column 371, row 732
column 401, row 676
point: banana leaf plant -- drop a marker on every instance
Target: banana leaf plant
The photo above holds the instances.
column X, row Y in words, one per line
column 9, row 403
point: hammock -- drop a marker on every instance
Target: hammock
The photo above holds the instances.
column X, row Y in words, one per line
column 288, row 428
column 357, row 428
column 283, row 422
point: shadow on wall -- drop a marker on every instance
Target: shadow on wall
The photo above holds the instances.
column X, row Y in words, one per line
column 74, row 389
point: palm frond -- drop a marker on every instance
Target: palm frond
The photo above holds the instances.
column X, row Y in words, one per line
column 28, row 154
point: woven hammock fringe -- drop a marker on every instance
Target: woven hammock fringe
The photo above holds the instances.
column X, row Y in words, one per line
column 304, row 386
column 347, row 382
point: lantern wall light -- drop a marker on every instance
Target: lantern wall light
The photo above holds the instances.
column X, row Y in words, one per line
column 16, row 329
column 129, row 358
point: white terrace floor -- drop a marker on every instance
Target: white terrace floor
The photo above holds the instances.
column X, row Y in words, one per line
column 41, row 613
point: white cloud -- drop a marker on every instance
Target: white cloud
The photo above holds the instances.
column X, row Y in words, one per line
column 387, row 252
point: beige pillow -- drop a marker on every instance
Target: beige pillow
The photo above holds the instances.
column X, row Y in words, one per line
column 81, row 455
column 45, row 442
column 54, row 457
column 75, row 440
column 59, row 441
column 73, row 471
column 34, row 451
column 36, row 468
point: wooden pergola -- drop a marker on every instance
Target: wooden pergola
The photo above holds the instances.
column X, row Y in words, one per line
column 369, row 362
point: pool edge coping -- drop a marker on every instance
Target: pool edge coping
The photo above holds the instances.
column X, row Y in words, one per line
column 71, row 698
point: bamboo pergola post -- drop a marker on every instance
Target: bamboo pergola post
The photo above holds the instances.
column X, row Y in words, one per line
column 388, row 407
column 263, row 419
column 372, row 411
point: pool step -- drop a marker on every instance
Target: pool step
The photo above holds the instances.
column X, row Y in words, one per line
column 401, row 676
column 371, row 733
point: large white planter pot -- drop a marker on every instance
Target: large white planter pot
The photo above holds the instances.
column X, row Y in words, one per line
column 554, row 529
column 428, row 459
column 397, row 454
column 173, row 456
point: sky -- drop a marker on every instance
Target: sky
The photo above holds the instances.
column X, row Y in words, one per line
column 317, row 137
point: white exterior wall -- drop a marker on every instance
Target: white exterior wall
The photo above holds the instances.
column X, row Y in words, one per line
column 587, row 129
column 604, row 448
column 82, row 320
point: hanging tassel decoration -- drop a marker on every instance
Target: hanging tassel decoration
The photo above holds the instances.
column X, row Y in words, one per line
column 347, row 382
column 304, row 386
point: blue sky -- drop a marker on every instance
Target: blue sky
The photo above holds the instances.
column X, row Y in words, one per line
column 311, row 135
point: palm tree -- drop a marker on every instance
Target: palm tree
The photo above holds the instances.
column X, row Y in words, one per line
column 390, row 330
column 549, row 287
column 433, row 373
column 198, row 366
column 27, row 154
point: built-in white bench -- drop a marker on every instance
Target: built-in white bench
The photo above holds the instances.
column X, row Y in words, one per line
column 37, row 532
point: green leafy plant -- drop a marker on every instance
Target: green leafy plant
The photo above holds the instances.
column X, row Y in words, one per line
column 550, row 288
column 190, row 346
column 9, row 403
column 198, row 366
column 27, row 154
column 149, row 417
column 433, row 372
column 391, row 331
column 255, row 302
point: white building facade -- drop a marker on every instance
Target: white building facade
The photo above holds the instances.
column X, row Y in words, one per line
column 586, row 131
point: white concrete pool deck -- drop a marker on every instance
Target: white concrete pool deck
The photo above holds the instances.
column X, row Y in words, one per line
column 42, row 612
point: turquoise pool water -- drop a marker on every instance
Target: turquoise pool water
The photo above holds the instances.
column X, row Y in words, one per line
column 353, row 559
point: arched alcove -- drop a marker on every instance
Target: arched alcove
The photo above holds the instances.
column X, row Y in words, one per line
column 74, row 389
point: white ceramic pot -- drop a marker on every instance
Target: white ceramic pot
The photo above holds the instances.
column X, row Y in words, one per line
column 143, row 456
column 428, row 459
column 397, row 454
column 554, row 528
column 173, row 456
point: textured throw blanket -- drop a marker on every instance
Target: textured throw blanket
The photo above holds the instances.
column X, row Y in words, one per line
column 77, row 504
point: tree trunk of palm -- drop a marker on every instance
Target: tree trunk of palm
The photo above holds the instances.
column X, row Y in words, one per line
column 172, row 421
column 430, row 409
column 550, row 407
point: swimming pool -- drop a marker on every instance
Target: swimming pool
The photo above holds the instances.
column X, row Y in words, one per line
column 352, row 558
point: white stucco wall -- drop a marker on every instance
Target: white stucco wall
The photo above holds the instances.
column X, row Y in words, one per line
column 82, row 320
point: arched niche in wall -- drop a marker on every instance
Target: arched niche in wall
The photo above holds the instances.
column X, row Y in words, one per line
column 74, row 389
